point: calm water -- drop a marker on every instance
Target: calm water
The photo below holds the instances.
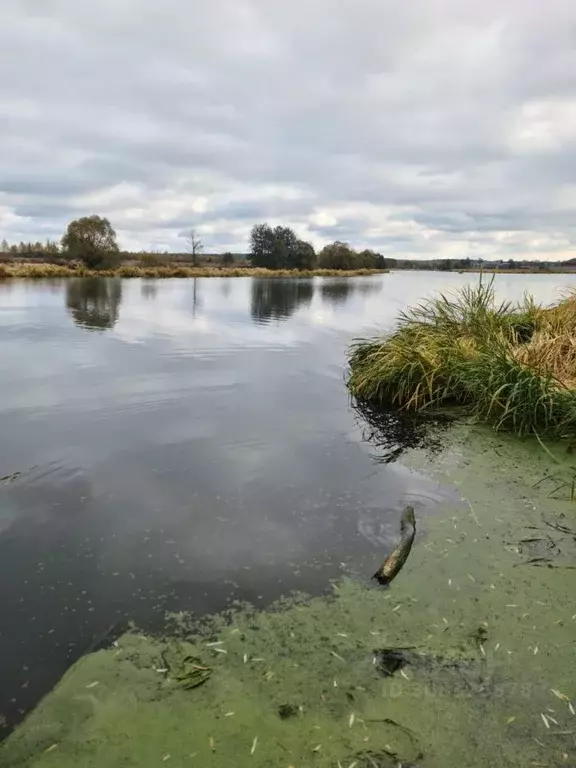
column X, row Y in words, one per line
column 182, row 444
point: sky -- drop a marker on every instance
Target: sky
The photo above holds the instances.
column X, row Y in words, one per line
column 421, row 129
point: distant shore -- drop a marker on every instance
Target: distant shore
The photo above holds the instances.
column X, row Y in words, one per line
column 39, row 271
column 529, row 271
column 489, row 271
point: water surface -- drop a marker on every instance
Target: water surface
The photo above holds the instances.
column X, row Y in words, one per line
column 180, row 444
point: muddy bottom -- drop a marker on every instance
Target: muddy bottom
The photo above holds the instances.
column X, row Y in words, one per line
column 467, row 659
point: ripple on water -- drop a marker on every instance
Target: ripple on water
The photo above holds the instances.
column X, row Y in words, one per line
column 379, row 524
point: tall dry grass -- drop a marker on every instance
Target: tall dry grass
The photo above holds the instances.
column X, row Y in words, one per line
column 511, row 364
column 23, row 270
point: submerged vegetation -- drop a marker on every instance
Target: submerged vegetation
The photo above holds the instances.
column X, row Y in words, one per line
column 513, row 365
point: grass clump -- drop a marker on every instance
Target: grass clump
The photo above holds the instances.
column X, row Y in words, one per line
column 513, row 365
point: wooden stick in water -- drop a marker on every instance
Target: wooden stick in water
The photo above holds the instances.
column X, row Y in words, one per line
column 393, row 564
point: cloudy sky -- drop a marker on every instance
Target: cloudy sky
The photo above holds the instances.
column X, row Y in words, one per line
column 422, row 128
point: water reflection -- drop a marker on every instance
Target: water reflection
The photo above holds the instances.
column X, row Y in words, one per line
column 94, row 302
column 279, row 299
column 149, row 290
column 391, row 432
column 199, row 467
column 367, row 287
column 196, row 300
column 225, row 287
column 336, row 291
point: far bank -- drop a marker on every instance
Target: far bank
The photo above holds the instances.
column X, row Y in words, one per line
column 22, row 270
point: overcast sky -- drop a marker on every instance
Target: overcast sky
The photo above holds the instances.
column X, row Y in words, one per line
column 418, row 128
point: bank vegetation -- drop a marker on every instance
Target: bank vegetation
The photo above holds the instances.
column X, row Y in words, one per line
column 513, row 365
column 43, row 270
column 89, row 246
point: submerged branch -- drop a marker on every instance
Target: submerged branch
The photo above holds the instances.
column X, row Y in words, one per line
column 394, row 563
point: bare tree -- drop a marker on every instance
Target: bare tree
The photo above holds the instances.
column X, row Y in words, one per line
column 193, row 246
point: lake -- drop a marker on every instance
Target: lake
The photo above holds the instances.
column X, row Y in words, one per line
column 181, row 444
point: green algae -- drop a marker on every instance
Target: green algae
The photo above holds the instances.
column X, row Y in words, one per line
column 183, row 667
column 489, row 638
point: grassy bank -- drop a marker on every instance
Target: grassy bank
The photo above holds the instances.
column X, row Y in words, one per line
column 489, row 685
column 22, row 270
column 511, row 365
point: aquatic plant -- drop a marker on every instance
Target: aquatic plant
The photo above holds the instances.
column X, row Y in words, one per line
column 510, row 364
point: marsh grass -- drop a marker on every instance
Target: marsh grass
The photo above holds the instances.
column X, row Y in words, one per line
column 513, row 365
column 22, row 270
column 563, row 479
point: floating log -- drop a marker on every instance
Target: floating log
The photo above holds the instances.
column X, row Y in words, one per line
column 393, row 564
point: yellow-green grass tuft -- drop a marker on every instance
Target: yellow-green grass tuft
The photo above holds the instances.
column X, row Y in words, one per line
column 513, row 365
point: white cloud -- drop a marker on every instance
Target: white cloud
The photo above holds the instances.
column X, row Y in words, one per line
column 548, row 126
column 437, row 128
column 323, row 219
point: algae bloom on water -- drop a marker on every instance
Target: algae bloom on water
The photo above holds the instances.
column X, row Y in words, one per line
column 510, row 364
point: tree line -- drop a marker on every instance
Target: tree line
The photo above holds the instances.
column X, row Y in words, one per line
column 93, row 241
column 280, row 248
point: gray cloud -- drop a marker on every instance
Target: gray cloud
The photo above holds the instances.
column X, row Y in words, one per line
column 437, row 128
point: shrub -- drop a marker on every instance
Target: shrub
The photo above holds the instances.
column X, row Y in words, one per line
column 152, row 260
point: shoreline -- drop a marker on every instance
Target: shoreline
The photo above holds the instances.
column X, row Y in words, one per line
column 301, row 683
column 41, row 271
column 36, row 271
column 505, row 364
column 516, row 271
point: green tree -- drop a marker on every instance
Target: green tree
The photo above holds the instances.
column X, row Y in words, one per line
column 277, row 248
column 92, row 240
column 51, row 248
column 305, row 255
column 262, row 246
column 369, row 259
column 286, row 247
column 227, row 259
column 338, row 256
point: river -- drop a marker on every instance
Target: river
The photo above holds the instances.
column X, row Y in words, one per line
column 180, row 444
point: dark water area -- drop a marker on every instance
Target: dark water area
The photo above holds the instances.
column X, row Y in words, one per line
column 181, row 444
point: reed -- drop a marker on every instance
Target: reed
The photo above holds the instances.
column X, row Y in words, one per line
column 22, row 270
column 513, row 365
